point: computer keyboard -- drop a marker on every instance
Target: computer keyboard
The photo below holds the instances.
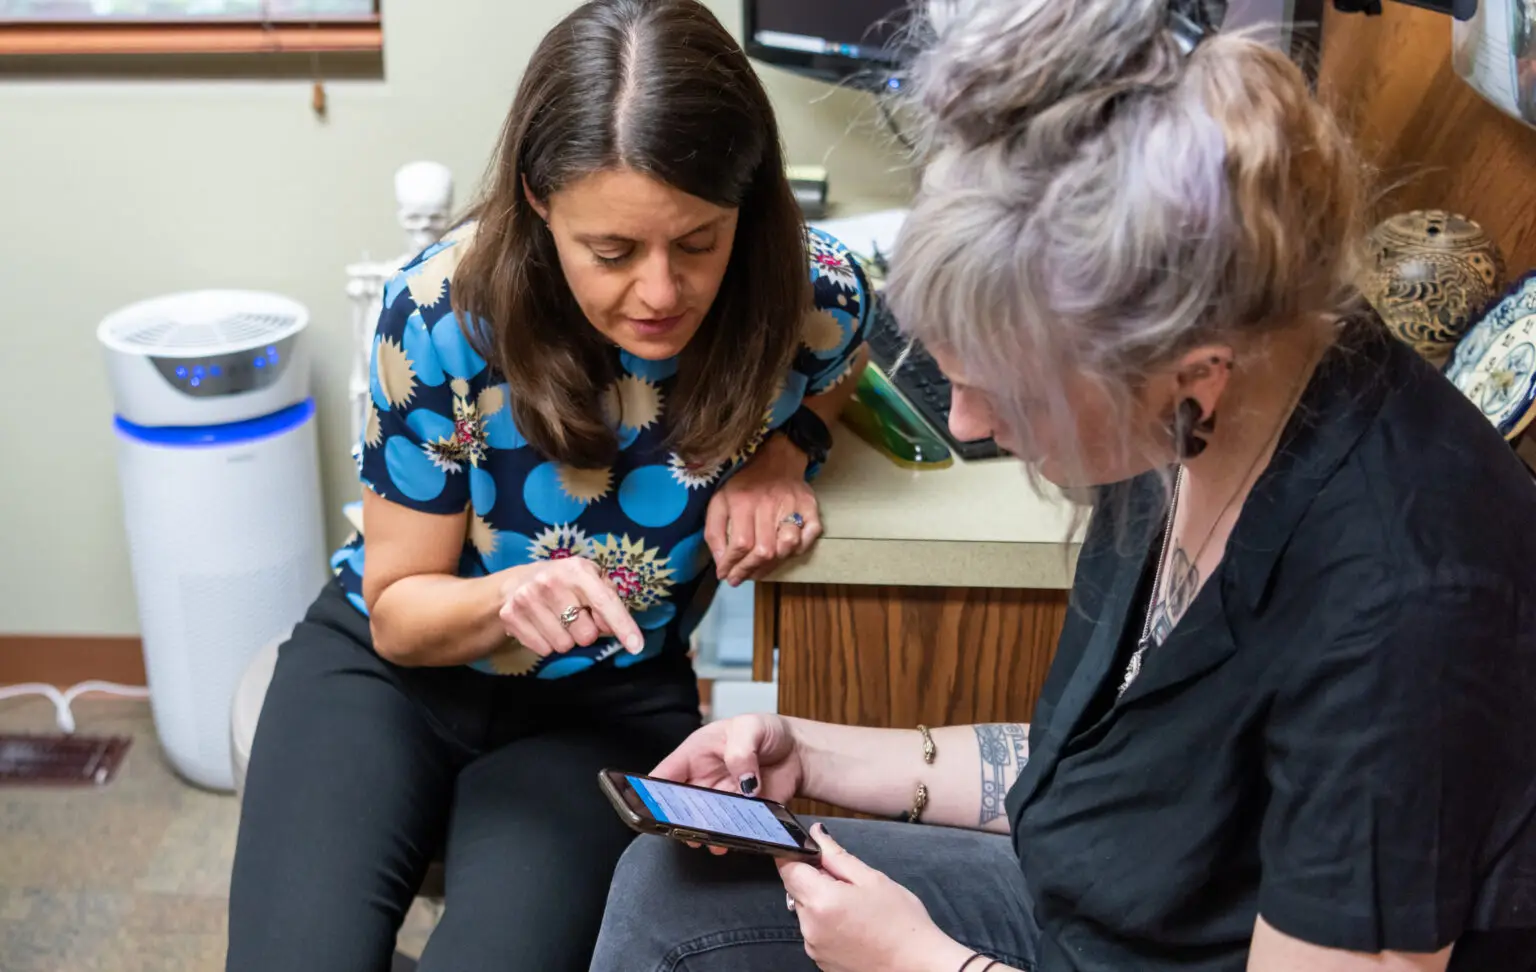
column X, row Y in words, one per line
column 919, row 380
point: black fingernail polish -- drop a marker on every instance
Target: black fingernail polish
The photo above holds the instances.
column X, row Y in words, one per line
column 748, row 784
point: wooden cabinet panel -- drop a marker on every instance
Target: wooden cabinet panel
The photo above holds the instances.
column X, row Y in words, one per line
column 899, row 656
column 882, row 656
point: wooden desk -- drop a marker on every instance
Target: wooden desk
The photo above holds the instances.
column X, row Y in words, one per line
column 933, row 597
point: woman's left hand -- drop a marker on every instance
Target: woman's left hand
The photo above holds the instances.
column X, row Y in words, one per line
column 751, row 523
column 856, row 919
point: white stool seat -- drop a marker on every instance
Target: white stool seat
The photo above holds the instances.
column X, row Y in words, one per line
column 246, row 709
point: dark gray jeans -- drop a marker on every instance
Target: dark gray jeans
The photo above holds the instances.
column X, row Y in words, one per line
column 672, row 909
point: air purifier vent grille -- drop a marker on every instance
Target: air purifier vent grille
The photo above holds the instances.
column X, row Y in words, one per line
column 239, row 329
column 205, row 322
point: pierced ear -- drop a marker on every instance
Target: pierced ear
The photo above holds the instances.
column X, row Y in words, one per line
column 533, row 201
column 1200, row 381
column 1203, row 373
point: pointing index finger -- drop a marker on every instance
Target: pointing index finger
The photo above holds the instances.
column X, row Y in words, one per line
column 607, row 605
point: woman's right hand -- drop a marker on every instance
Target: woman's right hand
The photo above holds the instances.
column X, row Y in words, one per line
column 755, row 755
column 536, row 595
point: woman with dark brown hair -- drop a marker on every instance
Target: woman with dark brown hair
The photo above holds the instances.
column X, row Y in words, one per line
column 618, row 373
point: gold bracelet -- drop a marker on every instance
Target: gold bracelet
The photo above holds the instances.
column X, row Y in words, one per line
column 929, row 749
column 920, row 798
column 919, row 803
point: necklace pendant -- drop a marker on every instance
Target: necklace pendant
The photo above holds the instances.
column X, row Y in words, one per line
column 1132, row 668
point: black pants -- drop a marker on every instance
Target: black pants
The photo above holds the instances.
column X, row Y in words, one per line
column 362, row 771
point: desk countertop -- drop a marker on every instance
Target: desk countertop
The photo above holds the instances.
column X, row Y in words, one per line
column 971, row 525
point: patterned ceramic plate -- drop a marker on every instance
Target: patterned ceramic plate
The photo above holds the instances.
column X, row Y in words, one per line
column 1495, row 364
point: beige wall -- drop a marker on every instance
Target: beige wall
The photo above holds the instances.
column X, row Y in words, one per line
column 110, row 192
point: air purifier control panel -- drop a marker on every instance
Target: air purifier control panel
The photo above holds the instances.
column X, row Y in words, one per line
column 228, row 373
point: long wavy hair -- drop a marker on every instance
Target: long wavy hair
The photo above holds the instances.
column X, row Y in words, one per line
column 661, row 88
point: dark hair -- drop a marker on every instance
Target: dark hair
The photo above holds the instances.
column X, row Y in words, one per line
column 659, row 87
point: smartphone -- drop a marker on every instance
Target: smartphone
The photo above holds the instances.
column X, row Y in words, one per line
column 705, row 816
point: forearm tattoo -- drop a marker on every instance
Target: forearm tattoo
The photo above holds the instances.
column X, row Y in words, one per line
column 1004, row 751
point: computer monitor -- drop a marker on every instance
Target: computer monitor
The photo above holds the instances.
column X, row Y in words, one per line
column 852, row 41
column 861, row 41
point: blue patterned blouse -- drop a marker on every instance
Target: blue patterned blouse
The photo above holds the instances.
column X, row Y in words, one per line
column 441, row 438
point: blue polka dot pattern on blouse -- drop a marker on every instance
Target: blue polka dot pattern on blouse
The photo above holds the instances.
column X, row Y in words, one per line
column 562, row 665
column 482, row 491
column 650, row 370
column 429, row 425
column 417, row 342
column 657, row 617
column 627, row 434
column 393, row 289
column 689, row 558
column 443, row 440
column 458, row 357
column 500, row 428
column 411, row 472
column 788, row 402
column 651, row 496
column 545, row 496
column 507, row 549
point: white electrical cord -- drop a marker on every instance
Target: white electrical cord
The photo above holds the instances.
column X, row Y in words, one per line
column 63, row 700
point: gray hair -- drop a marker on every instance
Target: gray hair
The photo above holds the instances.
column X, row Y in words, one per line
column 1097, row 201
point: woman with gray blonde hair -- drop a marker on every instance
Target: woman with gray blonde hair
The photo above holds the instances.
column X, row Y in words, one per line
column 1289, row 721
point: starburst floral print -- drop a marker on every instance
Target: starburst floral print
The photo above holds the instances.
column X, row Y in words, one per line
column 637, row 572
column 393, row 373
column 513, row 659
column 466, row 444
column 632, row 402
column 560, row 543
column 693, row 475
column 830, row 262
column 585, row 486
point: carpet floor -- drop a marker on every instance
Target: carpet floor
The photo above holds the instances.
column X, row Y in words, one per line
column 130, row 877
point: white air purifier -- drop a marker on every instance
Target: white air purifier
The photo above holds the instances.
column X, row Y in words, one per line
column 219, row 464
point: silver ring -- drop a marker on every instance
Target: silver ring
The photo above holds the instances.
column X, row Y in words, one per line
column 570, row 615
column 788, row 901
column 795, row 520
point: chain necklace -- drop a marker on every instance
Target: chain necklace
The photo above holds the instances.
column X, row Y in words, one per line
column 1133, row 667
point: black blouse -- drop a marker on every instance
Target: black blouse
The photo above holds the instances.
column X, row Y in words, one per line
column 1340, row 734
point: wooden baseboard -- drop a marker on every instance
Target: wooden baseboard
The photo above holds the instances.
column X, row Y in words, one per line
column 66, row 661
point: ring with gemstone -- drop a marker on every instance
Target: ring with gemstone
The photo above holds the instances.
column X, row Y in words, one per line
column 570, row 615
column 789, row 902
column 795, row 520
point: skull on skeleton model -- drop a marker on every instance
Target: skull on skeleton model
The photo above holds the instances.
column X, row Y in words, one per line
column 424, row 192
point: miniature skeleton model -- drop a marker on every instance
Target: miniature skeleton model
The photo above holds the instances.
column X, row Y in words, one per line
column 424, row 196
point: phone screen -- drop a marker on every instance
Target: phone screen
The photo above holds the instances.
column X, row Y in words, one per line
column 722, row 813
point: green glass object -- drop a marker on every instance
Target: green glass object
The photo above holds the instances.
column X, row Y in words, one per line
column 881, row 417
